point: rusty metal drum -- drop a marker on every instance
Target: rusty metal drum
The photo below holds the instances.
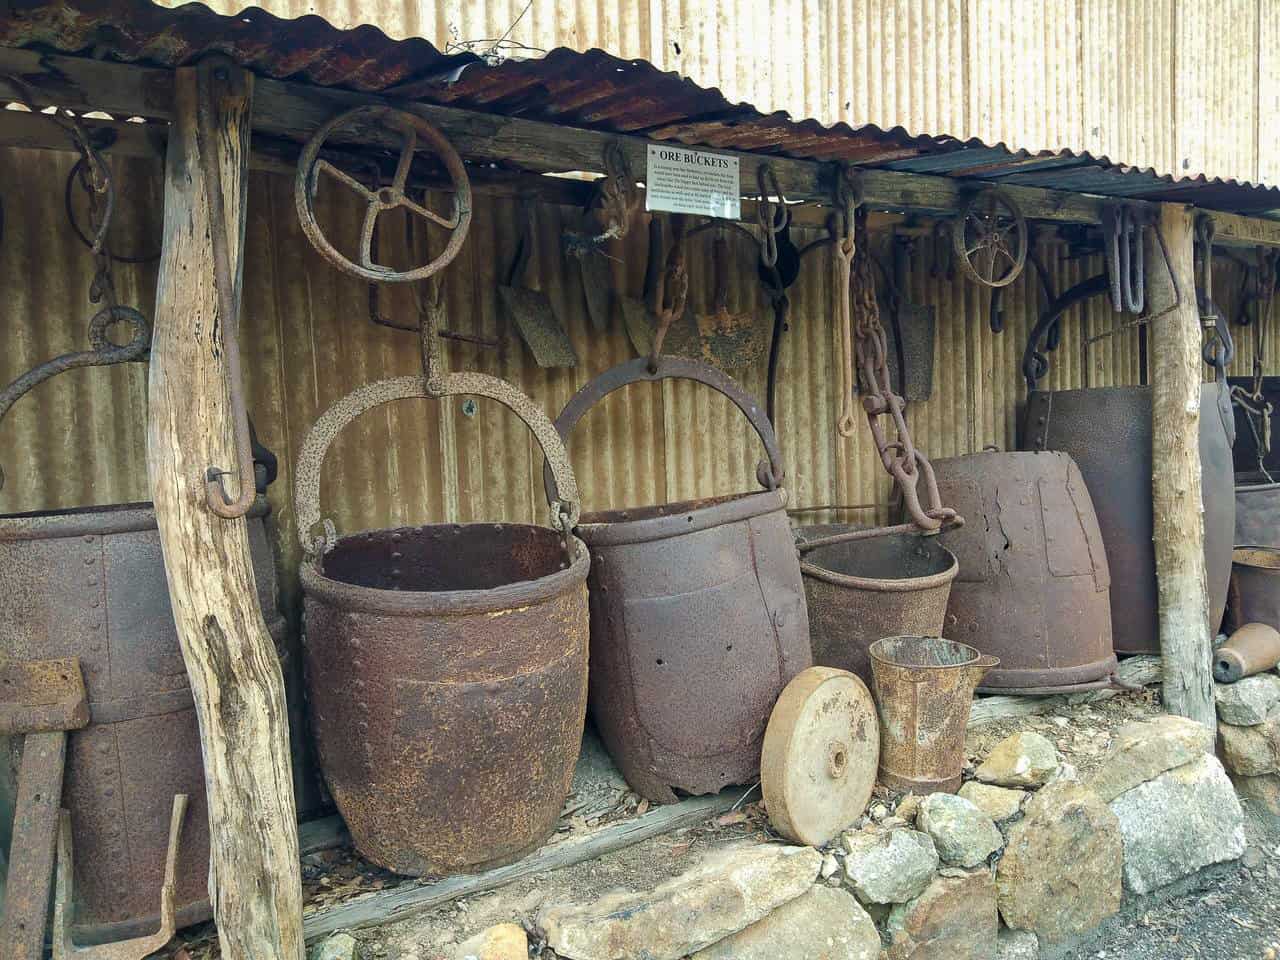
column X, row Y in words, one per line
column 90, row 583
column 862, row 591
column 698, row 616
column 1257, row 511
column 1034, row 581
column 446, row 664
column 1107, row 431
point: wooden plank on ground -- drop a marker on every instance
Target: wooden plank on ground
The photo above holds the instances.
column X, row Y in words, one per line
column 389, row 906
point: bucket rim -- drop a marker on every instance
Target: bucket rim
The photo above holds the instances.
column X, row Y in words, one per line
column 356, row 598
column 1257, row 556
column 731, row 508
column 95, row 520
column 882, row 585
column 873, row 652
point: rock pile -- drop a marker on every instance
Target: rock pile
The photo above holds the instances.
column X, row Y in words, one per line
column 1249, row 737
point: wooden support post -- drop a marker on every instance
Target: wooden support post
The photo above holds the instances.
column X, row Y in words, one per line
column 1177, row 508
column 235, row 677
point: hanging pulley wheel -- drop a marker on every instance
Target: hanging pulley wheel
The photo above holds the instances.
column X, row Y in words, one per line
column 821, row 751
column 379, row 199
column 990, row 238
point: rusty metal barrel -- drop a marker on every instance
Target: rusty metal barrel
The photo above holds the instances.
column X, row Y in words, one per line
column 1034, row 584
column 446, row 664
column 698, row 616
column 90, row 583
column 1107, row 431
column 1257, row 511
column 862, row 591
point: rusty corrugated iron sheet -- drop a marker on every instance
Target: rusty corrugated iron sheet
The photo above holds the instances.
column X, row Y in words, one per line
column 598, row 90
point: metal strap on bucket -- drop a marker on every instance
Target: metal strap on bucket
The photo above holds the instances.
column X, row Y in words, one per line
column 769, row 473
column 564, row 508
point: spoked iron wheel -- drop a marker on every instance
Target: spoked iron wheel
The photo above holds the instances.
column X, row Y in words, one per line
column 990, row 239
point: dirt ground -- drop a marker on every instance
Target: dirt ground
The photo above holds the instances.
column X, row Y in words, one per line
column 1233, row 912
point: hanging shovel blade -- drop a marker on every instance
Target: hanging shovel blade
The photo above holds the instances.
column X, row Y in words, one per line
column 530, row 310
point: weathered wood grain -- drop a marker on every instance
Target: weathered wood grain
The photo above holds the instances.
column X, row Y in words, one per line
column 254, row 874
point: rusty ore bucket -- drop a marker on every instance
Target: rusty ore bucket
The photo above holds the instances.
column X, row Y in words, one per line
column 697, row 614
column 861, row 591
column 90, row 583
column 1034, row 582
column 1257, row 511
column 446, row 664
column 1107, row 431
column 1254, row 596
column 923, row 688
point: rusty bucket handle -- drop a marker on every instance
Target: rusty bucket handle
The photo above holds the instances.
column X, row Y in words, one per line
column 668, row 367
column 103, row 353
column 564, row 508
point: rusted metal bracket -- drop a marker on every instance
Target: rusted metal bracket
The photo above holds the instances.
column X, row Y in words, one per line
column 43, row 699
column 138, row 947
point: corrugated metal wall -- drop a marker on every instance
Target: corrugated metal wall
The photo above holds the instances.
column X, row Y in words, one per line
column 1185, row 86
column 308, row 340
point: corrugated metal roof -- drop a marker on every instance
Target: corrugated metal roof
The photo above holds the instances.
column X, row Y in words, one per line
column 591, row 89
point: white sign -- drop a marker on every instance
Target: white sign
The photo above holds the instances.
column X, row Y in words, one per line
column 692, row 181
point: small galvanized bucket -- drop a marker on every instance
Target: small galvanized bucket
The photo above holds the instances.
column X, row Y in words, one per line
column 862, row 590
column 923, row 688
column 697, row 613
column 446, row 664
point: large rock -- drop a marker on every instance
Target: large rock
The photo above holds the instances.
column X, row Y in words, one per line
column 888, row 866
column 1060, row 873
column 1247, row 702
column 1251, row 751
column 955, row 918
column 1024, row 759
column 1146, row 749
column 998, row 803
column 339, row 946
column 505, row 941
column 1260, row 794
column 724, row 894
column 963, row 834
column 823, row 924
column 1017, row 945
column 1177, row 823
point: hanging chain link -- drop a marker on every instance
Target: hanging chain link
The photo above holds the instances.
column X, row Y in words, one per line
column 1258, row 410
column 863, row 336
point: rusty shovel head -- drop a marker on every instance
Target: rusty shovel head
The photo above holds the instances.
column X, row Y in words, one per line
column 38, row 696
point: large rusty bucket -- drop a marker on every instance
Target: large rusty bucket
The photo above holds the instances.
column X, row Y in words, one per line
column 1034, row 582
column 862, row 591
column 446, row 664
column 1107, row 431
column 90, row 583
column 923, row 688
column 1257, row 511
column 697, row 614
column 1254, row 596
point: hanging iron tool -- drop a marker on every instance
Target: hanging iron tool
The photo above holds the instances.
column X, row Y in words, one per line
column 778, row 268
column 1258, row 285
column 1122, row 230
column 1219, row 349
column 1253, row 402
column 913, row 327
column 863, row 335
column 608, row 215
column 990, row 238
column 530, row 309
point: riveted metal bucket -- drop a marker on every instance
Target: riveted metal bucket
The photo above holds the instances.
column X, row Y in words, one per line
column 862, row 591
column 1254, row 596
column 90, row 583
column 1257, row 511
column 923, row 688
column 446, row 664
column 698, row 617
column 1107, row 431
column 1034, row 582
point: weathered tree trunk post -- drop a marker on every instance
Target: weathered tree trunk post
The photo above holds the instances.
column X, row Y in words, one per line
column 235, row 676
column 1177, row 508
